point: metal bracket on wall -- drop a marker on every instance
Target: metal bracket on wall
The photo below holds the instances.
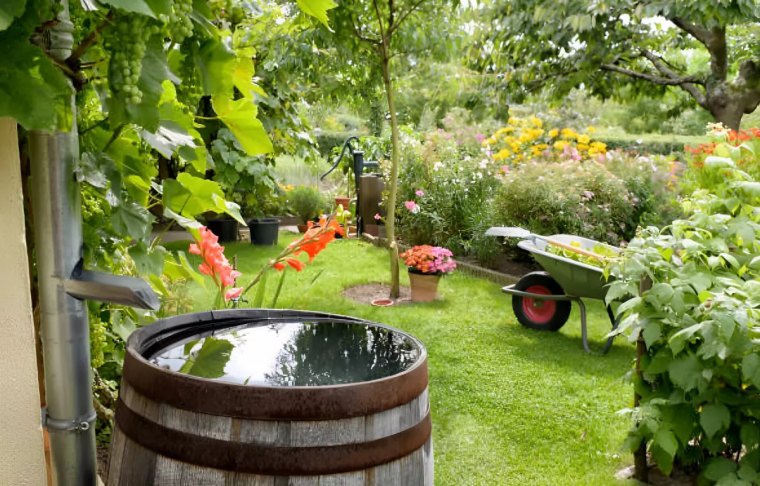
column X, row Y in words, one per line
column 80, row 424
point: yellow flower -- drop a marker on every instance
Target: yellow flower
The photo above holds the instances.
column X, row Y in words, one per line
column 553, row 132
column 536, row 121
column 501, row 154
column 590, row 129
column 598, row 148
column 582, row 147
column 584, row 139
column 568, row 133
column 560, row 145
column 513, row 121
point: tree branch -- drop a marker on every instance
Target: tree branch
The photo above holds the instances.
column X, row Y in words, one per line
column 688, row 84
column 88, row 41
column 696, row 31
column 379, row 20
column 403, row 16
column 714, row 41
column 362, row 37
column 663, row 67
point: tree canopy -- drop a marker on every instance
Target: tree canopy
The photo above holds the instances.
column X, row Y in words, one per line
column 701, row 47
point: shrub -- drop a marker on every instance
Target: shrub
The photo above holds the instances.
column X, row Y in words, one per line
column 742, row 147
column 305, row 202
column 583, row 199
column 444, row 197
column 699, row 378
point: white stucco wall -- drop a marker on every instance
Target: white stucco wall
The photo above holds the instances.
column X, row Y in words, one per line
column 22, row 460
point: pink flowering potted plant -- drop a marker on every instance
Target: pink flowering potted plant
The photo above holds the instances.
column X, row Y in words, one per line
column 426, row 264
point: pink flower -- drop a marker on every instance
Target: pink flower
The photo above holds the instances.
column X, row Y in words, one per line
column 412, row 206
column 377, row 217
column 233, row 293
column 419, row 192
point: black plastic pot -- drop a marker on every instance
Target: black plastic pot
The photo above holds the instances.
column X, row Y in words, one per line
column 226, row 229
column 264, row 231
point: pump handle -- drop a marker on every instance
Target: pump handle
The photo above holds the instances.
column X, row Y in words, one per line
column 346, row 145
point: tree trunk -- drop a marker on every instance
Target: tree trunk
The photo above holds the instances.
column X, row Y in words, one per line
column 390, row 221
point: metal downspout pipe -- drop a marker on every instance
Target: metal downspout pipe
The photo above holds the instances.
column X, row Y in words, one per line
column 70, row 416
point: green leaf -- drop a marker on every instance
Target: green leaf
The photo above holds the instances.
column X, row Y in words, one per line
column 317, row 9
column 258, row 299
column 651, row 333
column 191, row 196
column 215, row 63
column 211, row 358
column 714, row 418
column 719, row 467
column 9, row 10
column 132, row 220
column 137, row 6
column 122, row 325
column 628, row 305
column 664, row 448
column 279, row 288
column 660, row 294
column 148, row 262
column 751, row 369
column 684, row 372
column 750, row 435
column 240, row 118
column 747, row 473
column 678, row 340
column 32, row 89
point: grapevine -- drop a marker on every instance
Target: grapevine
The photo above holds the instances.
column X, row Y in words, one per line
column 127, row 44
column 179, row 23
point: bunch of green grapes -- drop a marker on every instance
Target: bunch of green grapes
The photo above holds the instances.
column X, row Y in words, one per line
column 189, row 90
column 179, row 23
column 127, row 42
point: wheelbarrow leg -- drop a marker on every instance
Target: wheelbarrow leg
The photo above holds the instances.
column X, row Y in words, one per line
column 584, row 332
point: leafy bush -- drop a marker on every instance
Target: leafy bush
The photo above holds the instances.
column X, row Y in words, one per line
column 576, row 198
column 305, row 202
column 444, row 197
column 700, row 374
column 742, row 147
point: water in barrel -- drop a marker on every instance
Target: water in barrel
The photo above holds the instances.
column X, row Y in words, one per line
column 288, row 353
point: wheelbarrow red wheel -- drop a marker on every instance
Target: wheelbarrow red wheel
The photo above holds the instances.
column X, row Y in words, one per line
column 545, row 315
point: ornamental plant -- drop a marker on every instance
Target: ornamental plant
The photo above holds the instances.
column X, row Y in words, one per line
column 429, row 260
column 525, row 139
column 216, row 265
column 696, row 317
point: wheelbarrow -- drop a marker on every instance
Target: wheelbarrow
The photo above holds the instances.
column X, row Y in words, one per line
column 542, row 300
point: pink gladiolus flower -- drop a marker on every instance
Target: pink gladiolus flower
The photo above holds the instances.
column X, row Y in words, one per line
column 215, row 264
column 233, row 293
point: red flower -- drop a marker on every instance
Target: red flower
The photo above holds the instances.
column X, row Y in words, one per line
column 215, row 264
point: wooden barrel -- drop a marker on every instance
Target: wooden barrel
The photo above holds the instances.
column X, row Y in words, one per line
column 173, row 428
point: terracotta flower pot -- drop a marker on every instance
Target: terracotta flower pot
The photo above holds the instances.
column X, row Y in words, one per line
column 344, row 201
column 302, row 228
column 424, row 286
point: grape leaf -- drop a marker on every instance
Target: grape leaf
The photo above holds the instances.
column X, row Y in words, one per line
column 136, row 6
column 240, row 118
column 317, row 9
column 9, row 10
column 215, row 62
column 32, row 89
column 211, row 359
column 714, row 418
column 148, row 262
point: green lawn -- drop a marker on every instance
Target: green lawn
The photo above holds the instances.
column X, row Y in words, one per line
column 509, row 405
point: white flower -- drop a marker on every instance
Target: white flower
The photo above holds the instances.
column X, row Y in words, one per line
column 437, row 166
column 483, row 164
